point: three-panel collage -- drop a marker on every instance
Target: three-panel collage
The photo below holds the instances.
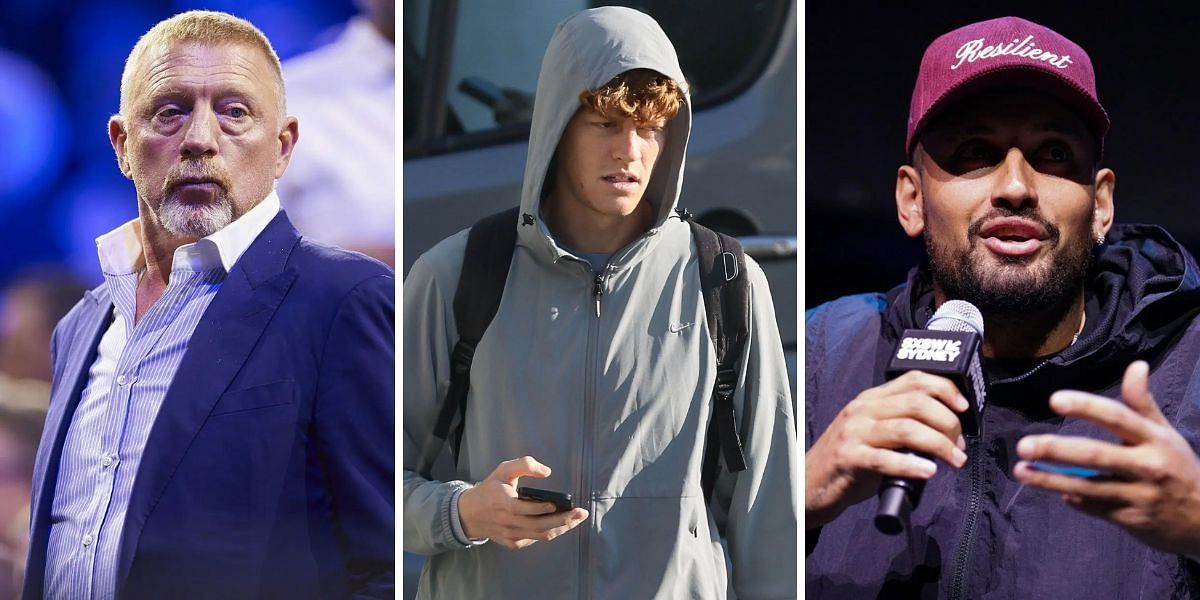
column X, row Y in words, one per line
column 525, row 324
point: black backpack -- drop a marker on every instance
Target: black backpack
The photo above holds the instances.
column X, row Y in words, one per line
column 490, row 246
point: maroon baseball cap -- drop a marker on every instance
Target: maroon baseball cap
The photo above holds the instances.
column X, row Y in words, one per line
column 1004, row 51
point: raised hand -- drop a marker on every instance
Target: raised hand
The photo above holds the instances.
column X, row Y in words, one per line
column 1152, row 486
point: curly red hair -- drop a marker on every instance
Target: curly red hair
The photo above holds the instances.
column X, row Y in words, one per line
column 641, row 94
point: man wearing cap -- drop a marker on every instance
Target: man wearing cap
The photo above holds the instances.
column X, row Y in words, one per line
column 1089, row 351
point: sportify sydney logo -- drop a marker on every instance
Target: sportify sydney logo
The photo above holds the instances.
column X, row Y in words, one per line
column 975, row 50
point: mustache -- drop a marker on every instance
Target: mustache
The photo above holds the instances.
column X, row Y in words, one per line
column 197, row 170
column 1027, row 212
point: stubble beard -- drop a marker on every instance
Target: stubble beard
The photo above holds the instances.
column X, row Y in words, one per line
column 1014, row 288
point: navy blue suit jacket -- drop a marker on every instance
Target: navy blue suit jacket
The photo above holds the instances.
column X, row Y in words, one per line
column 269, row 470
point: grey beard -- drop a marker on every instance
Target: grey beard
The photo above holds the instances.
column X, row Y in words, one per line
column 196, row 221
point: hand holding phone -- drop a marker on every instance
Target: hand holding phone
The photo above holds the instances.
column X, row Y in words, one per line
column 561, row 501
column 490, row 510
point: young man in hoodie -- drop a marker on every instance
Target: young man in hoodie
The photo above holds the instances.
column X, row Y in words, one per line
column 1005, row 136
column 594, row 377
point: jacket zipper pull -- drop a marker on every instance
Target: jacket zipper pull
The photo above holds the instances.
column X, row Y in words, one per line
column 597, row 291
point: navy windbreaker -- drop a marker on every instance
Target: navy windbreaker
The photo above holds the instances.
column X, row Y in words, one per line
column 977, row 532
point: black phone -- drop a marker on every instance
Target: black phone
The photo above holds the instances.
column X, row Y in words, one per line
column 563, row 502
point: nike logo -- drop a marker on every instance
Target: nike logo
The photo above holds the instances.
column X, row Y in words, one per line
column 679, row 327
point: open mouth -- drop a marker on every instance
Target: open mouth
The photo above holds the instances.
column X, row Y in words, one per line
column 622, row 183
column 1013, row 236
column 621, row 178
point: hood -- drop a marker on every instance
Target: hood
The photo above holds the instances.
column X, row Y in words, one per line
column 1143, row 288
column 586, row 51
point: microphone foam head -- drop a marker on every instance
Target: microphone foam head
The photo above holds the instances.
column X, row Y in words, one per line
column 956, row 315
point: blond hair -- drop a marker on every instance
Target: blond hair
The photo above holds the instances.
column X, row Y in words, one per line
column 203, row 27
column 640, row 94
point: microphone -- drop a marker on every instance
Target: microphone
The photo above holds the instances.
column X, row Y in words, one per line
column 948, row 346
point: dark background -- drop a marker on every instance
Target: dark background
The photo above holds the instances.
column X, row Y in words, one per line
column 60, row 71
column 860, row 64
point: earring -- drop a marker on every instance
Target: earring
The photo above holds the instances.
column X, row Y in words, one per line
column 1100, row 238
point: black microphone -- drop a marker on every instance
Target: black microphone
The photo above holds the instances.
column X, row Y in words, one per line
column 948, row 346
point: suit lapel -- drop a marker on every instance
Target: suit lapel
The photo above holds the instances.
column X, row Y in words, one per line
column 84, row 340
column 223, row 340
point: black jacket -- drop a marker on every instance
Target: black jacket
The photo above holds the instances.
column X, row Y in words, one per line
column 977, row 533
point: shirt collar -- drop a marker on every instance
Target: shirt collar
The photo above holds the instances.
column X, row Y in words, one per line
column 120, row 250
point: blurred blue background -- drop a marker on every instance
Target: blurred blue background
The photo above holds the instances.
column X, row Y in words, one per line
column 60, row 71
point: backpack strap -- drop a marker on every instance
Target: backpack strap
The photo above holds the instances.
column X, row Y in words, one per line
column 488, row 256
column 486, row 261
column 726, row 292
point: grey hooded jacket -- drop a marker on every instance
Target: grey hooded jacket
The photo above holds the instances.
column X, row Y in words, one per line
column 616, row 404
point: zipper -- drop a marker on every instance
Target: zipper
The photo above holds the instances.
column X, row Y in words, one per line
column 589, row 435
column 1023, row 376
column 597, row 291
column 963, row 556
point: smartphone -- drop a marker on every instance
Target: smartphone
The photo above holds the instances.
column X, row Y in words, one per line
column 1071, row 471
column 562, row 502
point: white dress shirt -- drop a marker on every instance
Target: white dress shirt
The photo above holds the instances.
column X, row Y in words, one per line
column 134, row 368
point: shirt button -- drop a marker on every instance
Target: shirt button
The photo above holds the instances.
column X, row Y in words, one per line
column 106, row 460
column 88, row 539
column 121, row 380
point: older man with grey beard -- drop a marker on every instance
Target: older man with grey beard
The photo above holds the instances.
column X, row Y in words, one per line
column 221, row 419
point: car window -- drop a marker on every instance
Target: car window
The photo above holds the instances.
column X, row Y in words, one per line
column 471, row 67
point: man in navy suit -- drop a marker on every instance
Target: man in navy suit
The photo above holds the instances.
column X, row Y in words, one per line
column 221, row 421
